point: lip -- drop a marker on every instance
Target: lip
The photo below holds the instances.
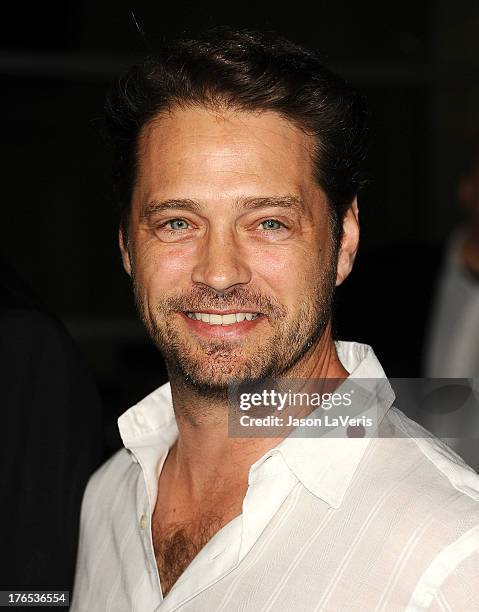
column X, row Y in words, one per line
column 225, row 312
column 235, row 330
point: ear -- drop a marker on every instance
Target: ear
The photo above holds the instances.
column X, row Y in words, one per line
column 125, row 252
column 349, row 243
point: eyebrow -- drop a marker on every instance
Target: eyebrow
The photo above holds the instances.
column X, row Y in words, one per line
column 158, row 206
column 241, row 204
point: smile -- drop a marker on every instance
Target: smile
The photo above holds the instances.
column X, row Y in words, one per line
column 226, row 319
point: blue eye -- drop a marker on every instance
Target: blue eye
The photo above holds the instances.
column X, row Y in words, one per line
column 271, row 224
column 182, row 224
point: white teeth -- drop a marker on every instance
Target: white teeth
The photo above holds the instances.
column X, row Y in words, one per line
column 217, row 319
column 228, row 319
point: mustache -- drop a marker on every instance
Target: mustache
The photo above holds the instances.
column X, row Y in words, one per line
column 204, row 298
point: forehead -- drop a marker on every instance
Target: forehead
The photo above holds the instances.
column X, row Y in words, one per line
column 202, row 154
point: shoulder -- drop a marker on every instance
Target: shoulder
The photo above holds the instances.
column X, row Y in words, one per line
column 112, row 472
column 107, row 484
column 437, row 486
column 431, row 500
column 450, row 472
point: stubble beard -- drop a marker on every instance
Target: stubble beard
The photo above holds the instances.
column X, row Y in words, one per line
column 208, row 366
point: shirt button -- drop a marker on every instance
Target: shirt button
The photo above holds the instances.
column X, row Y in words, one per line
column 143, row 521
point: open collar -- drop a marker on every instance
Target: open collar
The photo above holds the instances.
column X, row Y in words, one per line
column 324, row 465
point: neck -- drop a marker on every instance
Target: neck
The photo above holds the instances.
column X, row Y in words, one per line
column 204, row 451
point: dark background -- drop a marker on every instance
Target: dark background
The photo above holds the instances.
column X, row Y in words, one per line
column 416, row 62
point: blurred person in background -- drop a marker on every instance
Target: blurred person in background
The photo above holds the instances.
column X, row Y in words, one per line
column 451, row 348
column 52, row 440
column 452, row 345
column 425, row 318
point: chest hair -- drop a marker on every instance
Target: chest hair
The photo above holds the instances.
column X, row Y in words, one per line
column 177, row 544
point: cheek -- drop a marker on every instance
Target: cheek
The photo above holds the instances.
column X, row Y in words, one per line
column 161, row 269
column 289, row 273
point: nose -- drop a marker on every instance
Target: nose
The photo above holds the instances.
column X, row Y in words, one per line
column 221, row 265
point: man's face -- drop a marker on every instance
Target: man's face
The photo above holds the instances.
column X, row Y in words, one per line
column 227, row 225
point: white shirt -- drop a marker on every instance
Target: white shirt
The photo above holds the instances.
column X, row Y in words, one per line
column 452, row 349
column 388, row 523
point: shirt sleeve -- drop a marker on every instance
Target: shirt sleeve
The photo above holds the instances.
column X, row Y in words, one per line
column 460, row 590
column 81, row 579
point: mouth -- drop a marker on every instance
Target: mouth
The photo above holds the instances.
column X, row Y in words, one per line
column 222, row 318
column 225, row 324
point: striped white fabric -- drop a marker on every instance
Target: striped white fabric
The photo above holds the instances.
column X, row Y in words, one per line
column 386, row 523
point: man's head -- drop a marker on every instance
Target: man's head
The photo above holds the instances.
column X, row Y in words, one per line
column 237, row 165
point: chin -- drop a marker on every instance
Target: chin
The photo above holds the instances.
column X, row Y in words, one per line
column 217, row 374
column 214, row 364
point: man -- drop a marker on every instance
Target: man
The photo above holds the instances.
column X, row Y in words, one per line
column 238, row 162
column 452, row 340
column 452, row 349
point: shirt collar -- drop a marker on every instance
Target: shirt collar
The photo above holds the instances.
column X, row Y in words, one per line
column 325, row 466
column 152, row 420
